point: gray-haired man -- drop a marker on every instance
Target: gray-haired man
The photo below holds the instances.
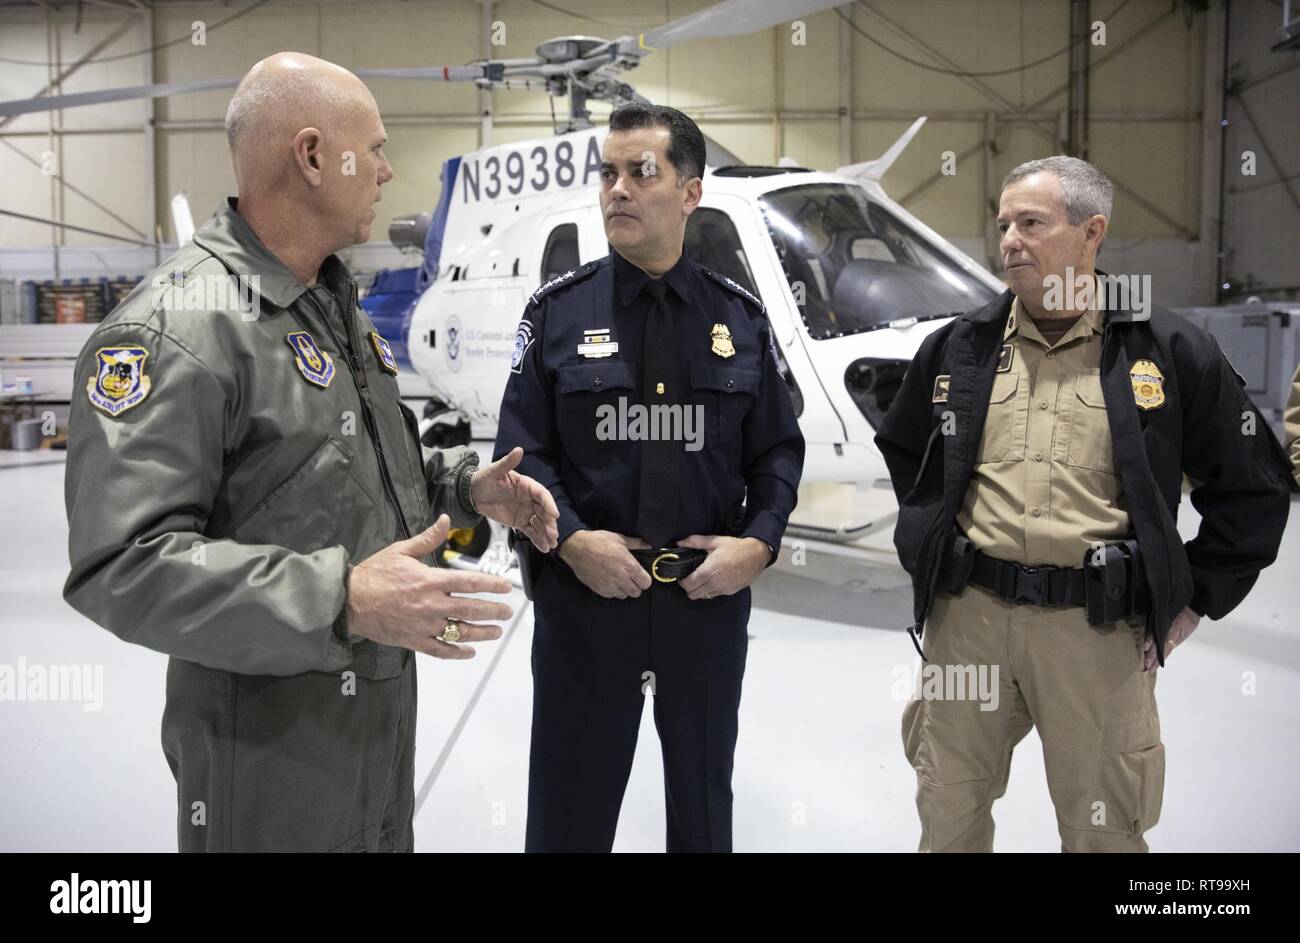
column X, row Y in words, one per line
column 1037, row 447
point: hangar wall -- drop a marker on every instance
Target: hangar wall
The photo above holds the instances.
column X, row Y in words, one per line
column 831, row 92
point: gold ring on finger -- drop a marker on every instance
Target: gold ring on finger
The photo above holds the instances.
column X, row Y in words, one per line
column 452, row 631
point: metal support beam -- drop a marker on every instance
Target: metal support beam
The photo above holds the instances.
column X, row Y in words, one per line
column 846, row 89
column 485, row 96
column 1208, row 274
column 1076, row 132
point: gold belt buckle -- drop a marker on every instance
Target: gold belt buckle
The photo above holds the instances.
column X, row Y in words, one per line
column 654, row 567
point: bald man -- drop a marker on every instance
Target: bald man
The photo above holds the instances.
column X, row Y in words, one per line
column 247, row 494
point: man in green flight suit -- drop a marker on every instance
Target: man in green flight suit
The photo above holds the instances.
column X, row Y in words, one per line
column 247, row 494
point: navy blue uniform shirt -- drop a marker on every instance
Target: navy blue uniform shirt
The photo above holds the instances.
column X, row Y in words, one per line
column 741, row 481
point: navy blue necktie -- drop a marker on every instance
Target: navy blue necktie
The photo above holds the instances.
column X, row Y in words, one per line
column 660, row 469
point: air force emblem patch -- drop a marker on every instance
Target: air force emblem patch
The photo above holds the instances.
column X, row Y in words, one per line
column 312, row 362
column 1148, row 384
column 384, row 353
column 119, row 381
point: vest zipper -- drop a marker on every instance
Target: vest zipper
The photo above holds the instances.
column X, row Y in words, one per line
column 358, row 371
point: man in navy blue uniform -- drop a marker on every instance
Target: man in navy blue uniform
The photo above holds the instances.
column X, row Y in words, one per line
column 646, row 395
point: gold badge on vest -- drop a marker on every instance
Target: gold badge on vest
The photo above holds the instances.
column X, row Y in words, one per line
column 1148, row 384
column 941, row 382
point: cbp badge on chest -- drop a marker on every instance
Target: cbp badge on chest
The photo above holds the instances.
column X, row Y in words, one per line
column 1148, row 384
column 119, row 381
column 316, row 366
column 722, row 345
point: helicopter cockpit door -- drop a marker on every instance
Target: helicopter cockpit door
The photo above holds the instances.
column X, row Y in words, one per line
column 725, row 234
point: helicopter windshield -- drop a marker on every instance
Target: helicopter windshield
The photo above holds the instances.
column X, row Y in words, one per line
column 855, row 267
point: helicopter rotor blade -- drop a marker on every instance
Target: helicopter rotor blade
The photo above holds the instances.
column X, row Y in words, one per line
column 731, row 18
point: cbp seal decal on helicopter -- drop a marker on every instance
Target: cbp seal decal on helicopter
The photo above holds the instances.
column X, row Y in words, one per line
column 453, row 342
column 119, row 381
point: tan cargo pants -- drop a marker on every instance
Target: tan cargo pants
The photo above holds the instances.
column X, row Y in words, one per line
column 1082, row 686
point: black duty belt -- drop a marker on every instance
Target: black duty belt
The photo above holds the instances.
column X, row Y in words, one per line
column 669, row 564
column 1030, row 585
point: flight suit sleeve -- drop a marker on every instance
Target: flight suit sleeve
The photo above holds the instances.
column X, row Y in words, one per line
column 1240, row 487
column 1292, row 425
column 527, row 419
column 449, row 473
column 905, row 431
column 139, row 488
column 773, row 454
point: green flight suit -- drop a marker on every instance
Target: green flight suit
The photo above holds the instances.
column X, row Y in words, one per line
column 236, row 444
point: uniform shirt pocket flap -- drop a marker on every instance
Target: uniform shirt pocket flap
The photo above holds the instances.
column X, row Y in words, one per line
column 1004, row 387
column 724, row 378
column 594, row 377
column 1088, row 389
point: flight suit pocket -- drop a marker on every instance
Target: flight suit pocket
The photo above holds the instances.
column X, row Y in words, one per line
column 1089, row 443
column 724, row 393
column 302, row 513
column 1003, row 439
column 587, row 403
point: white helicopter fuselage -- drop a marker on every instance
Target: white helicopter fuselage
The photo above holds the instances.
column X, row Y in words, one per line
column 511, row 203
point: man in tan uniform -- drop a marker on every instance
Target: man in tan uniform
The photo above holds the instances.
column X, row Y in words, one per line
column 1292, row 420
column 1048, row 427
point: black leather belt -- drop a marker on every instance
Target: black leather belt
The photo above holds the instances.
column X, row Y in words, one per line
column 1029, row 585
column 669, row 564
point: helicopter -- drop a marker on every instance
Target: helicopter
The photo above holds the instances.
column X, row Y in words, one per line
column 851, row 282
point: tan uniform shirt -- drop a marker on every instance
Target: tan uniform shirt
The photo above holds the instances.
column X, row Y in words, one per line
column 1045, row 485
column 1292, row 422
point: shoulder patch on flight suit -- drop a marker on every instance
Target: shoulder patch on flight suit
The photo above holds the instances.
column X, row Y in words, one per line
column 312, row 362
column 523, row 340
column 384, row 353
column 941, row 382
column 567, row 278
column 119, row 381
column 1148, row 384
column 1004, row 359
column 727, row 282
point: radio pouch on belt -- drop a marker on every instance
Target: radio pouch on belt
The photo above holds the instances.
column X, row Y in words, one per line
column 956, row 562
column 1106, row 581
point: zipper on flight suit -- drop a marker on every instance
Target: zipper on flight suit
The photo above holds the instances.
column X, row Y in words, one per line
column 358, row 371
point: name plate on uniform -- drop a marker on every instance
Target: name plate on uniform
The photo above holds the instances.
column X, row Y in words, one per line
column 598, row 350
column 596, row 343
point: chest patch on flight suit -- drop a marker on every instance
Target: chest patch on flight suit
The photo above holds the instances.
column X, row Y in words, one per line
column 722, row 345
column 941, row 388
column 1148, row 384
column 316, row 366
column 119, row 381
column 1004, row 358
column 384, row 353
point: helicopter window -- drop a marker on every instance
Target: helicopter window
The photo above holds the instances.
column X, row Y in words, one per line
column 855, row 267
column 712, row 241
column 561, row 252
